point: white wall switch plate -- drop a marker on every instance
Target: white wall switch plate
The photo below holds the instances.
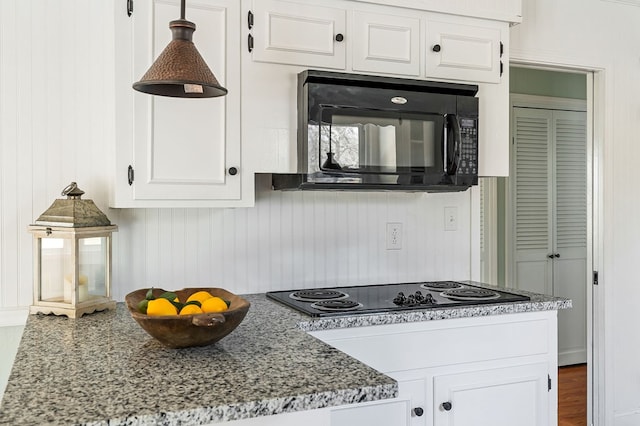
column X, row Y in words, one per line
column 394, row 236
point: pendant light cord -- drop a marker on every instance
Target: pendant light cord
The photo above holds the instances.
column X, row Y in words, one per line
column 182, row 8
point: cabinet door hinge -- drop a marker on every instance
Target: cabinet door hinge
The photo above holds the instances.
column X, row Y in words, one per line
column 129, row 7
column 250, row 43
column 130, row 175
column 595, row 277
column 548, row 383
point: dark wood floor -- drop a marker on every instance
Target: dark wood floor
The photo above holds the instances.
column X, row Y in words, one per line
column 572, row 395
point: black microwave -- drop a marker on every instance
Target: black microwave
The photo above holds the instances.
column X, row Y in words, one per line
column 361, row 132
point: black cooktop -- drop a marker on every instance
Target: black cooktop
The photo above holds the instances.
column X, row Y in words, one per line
column 320, row 302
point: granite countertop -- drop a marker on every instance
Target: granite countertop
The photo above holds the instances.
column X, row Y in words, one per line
column 104, row 369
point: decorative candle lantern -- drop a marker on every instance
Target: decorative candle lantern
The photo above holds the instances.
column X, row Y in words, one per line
column 72, row 257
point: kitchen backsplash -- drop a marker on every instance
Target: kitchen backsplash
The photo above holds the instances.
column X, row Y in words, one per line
column 292, row 239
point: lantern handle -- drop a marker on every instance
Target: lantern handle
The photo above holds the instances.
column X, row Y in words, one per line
column 72, row 191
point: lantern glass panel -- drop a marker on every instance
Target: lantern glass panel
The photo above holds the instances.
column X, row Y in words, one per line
column 56, row 270
column 92, row 263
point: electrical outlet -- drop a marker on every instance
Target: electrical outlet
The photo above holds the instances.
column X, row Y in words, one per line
column 450, row 218
column 394, row 236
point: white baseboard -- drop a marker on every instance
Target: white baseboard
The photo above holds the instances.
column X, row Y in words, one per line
column 571, row 357
column 13, row 316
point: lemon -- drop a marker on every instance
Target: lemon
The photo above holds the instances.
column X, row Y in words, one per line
column 161, row 306
column 190, row 309
column 200, row 296
column 214, row 304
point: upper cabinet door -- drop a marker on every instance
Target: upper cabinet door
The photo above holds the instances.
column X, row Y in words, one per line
column 187, row 149
column 468, row 51
column 299, row 34
column 386, row 43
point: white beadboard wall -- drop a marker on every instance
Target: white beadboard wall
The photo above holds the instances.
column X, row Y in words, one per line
column 56, row 112
column 293, row 240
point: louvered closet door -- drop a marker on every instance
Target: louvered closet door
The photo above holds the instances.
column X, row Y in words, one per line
column 532, row 200
column 549, row 193
column 570, row 233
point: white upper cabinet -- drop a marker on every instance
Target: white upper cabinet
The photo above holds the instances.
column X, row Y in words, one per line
column 386, row 43
column 176, row 152
column 298, row 34
column 468, row 50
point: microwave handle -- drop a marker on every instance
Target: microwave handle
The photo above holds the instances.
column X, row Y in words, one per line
column 451, row 145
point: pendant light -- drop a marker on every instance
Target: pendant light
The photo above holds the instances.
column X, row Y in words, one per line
column 179, row 71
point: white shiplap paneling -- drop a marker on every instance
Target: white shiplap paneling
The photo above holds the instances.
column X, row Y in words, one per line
column 292, row 239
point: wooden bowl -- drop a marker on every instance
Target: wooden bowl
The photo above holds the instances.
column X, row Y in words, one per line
column 183, row 331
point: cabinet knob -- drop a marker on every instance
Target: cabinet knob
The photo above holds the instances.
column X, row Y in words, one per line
column 418, row 411
column 550, row 256
column 339, row 37
column 233, row 171
column 447, row 406
column 436, row 48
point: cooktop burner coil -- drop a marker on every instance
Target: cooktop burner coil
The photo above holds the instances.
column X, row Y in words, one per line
column 336, row 305
column 441, row 285
column 468, row 293
column 317, row 295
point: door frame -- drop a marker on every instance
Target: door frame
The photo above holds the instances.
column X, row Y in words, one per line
column 598, row 406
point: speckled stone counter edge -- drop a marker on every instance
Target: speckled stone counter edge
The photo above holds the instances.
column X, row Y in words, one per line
column 257, row 408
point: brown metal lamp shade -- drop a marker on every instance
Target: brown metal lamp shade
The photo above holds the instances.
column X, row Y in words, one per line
column 179, row 71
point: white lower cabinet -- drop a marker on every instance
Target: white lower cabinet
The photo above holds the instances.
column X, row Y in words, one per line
column 506, row 396
column 499, row 370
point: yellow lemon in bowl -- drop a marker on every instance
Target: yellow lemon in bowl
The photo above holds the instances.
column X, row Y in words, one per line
column 214, row 304
column 161, row 306
column 190, row 310
column 200, row 296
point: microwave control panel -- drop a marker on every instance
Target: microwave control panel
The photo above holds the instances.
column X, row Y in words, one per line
column 468, row 164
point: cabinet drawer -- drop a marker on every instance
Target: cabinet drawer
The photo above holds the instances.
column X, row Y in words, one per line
column 386, row 43
column 299, row 34
column 438, row 343
column 463, row 51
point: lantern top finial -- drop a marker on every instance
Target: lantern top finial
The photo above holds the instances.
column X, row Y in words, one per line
column 72, row 191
